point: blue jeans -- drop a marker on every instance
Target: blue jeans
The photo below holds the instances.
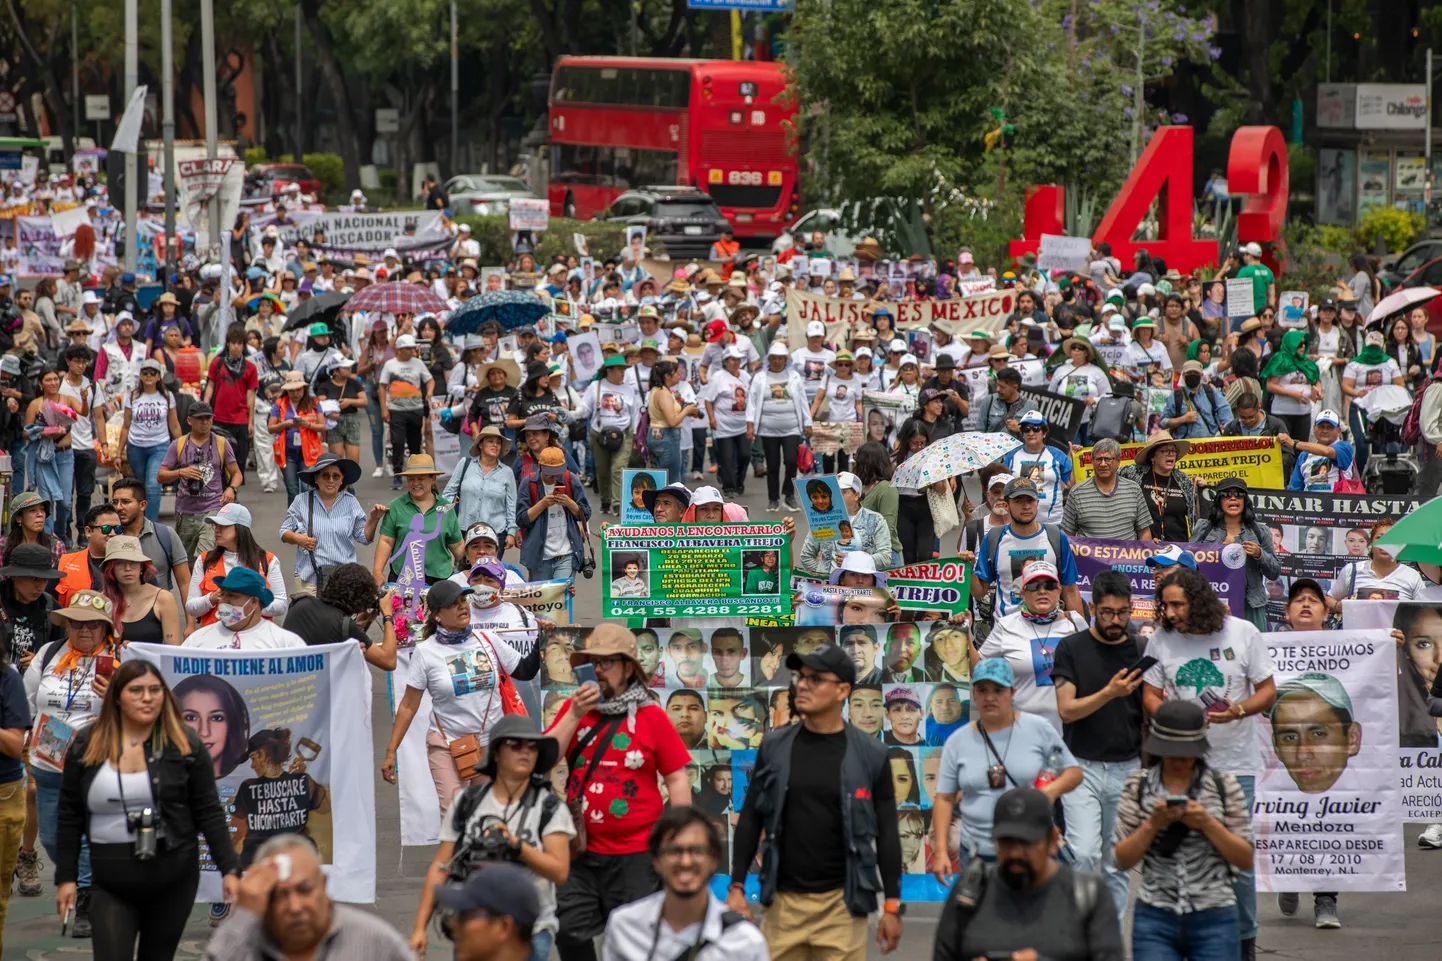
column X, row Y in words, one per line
column 17, row 462
column 59, row 520
column 541, row 943
column 47, row 802
column 145, row 464
column 1159, row 935
column 294, row 464
column 666, row 452
column 1244, row 883
column 1091, row 816
column 554, row 569
column 378, row 426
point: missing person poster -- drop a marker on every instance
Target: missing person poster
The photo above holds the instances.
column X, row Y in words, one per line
column 1224, row 567
column 634, row 484
column 1256, row 460
column 1328, row 811
column 289, row 734
column 695, row 570
column 725, row 687
column 942, row 585
column 825, row 510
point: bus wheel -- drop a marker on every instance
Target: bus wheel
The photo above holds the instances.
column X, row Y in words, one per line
column 570, row 208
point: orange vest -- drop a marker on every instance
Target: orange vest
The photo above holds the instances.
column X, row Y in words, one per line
column 311, row 446
column 75, row 576
column 216, row 573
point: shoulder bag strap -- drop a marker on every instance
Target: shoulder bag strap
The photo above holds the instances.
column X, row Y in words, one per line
column 310, row 532
column 992, row 748
column 604, row 728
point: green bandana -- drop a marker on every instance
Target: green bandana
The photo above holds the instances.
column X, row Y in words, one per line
column 1291, row 356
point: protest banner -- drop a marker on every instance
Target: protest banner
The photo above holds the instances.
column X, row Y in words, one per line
column 828, row 438
column 882, row 411
column 200, row 181
column 1328, row 809
column 696, row 570
column 1256, row 460
column 1112, row 354
column 1239, row 297
column 414, row 231
column 1316, row 534
column 942, row 585
column 1059, row 252
column 820, row 603
column 1224, row 566
column 548, row 599
column 1419, row 746
column 295, row 756
column 1063, row 414
column 634, row 483
column 529, row 214
column 448, row 451
column 725, row 686
column 825, row 510
column 842, row 315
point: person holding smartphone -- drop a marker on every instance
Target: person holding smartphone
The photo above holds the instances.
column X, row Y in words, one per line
column 1098, row 677
column 1189, row 826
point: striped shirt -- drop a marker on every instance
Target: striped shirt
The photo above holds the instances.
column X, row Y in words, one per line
column 354, row 935
column 1117, row 516
column 337, row 530
column 1196, row 877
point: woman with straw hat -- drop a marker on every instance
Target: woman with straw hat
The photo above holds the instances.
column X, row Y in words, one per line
column 299, row 430
column 438, row 527
column 144, row 613
column 483, row 489
column 1170, row 494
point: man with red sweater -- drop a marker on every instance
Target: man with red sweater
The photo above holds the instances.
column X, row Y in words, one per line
column 617, row 741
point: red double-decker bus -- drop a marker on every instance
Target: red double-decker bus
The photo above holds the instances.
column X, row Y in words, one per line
column 623, row 122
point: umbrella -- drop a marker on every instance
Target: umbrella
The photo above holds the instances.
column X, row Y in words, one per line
column 509, row 308
column 323, row 307
column 397, row 298
column 1400, row 301
column 950, row 456
column 1419, row 534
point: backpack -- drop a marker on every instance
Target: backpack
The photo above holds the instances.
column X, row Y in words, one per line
column 1114, row 418
column 993, row 542
column 1180, row 401
column 536, row 486
column 970, row 888
column 461, row 864
column 1412, row 425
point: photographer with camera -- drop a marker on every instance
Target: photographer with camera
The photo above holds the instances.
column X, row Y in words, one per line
column 514, row 817
column 139, row 784
column 207, row 476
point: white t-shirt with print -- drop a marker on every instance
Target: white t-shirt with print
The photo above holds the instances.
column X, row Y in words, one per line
column 462, row 682
column 1358, row 580
column 1366, row 376
column 67, row 697
column 813, row 367
column 1030, row 648
column 149, row 417
column 1227, row 664
column 727, row 394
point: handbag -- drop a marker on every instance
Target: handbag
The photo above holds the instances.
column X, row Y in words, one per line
column 321, row 571
column 575, row 799
column 465, row 751
column 612, row 438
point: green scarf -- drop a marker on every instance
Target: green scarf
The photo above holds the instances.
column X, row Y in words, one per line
column 1194, row 349
column 1291, row 356
column 1371, row 356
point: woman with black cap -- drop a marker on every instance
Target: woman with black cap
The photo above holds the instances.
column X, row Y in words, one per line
column 513, row 815
column 1189, row 826
column 1232, row 521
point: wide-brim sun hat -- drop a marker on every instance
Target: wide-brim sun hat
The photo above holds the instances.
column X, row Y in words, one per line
column 84, row 606
column 349, row 469
column 491, row 430
column 419, row 465
column 1178, row 729
column 608, row 639
column 123, row 547
column 1160, row 439
column 519, row 727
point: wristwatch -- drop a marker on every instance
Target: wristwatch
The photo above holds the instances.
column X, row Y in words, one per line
column 1241, row 710
column 894, row 906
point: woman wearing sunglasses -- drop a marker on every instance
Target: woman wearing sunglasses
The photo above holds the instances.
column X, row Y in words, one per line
column 1232, row 521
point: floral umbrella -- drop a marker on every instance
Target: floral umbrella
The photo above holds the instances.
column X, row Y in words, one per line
column 951, row 456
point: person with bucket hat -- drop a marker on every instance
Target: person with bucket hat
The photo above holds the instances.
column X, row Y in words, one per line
column 65, row 682
column 242, row 598
column 404, row 394
column 1170, row 493
column 614, row 721
column 1188, row 824
column 145, row 613
column 438, row 529
column 298, row 427
column 539, row 433
column 318, row 355
column 512, row 817
column 235, row 547
column 483, row 488
column 150, row 425
column 206, row 470
column 326, row 521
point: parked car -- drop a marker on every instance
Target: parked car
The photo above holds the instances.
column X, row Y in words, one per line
column 485, row 195
column 1394, row 272
column 268, row 180
column 682, row 219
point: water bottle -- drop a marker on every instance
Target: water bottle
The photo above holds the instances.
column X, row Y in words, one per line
column 1050, row 770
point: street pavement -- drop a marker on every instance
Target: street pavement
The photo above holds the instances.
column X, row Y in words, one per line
column 1381, row 927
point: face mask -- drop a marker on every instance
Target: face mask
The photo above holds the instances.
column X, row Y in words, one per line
column 231, row 615
column 1193, row 381
column 483, row 596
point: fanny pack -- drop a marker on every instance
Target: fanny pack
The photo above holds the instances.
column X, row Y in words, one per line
column 612, row 438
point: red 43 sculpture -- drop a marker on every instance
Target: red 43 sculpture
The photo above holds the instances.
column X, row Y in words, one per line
column 1256, row 167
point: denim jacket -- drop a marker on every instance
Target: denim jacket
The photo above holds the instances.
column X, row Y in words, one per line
column 1263, row 567
column 483, row 498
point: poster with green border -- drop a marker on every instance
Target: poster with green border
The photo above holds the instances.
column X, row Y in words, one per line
column 695, row 570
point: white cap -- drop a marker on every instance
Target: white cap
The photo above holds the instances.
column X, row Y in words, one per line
column 858, row 562
column 1002, row 479
column 1253, row 248
column 816, row 329
column 778, row 349
column 1329, row 417
column 482, row 530
column 405, row 340
column 1032, row 572
column 908, row 359
column 737, row 351
column 390, row 252
column 1145, row 289
column 896, row 346
column 861, row 352
column 1109, row 308
column 465, row 228
column 847, row 480
column 705, row 495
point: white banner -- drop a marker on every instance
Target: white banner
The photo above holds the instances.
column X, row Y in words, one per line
column 841, row 315
column 1328, row 809
column 1059, row 252
column 420, row 804
column 293, row 755
column 530, row 214
column 202, row 180
column 406, row 230
column 447, row 445
column 1419, row 743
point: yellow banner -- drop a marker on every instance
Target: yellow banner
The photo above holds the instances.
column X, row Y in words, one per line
column 1256, row 460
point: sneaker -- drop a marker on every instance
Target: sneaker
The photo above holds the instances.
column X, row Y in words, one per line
column 695, row 475
column 27, row 874
column 378, row 472
column 1287, row 903
column 1325, row 911
column 773, row 506
column 219, row 911
column 605, row 508
column 1431, row 838
column 792, row 504
column 80, row 927
column 390, row 471
column 759, row 470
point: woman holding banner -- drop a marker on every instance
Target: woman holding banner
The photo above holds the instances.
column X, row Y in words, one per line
column 1232, row 521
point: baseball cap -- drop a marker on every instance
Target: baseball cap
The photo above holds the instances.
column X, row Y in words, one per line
column 445, row 593
column 482, row 530
column 1192, row 367
column 1374, row 339
column 897, row 346
column 489, row 566
column 1116, row 323
column 552, row 461
column 1324, row 686
column 848, row 481
column 1020, row 487
column 706, row 495
column 200, row 409
column 1172, row 554
column 816, row 329
column 1039, row 570
column 404, row 341
column 677, row 490
column 994, row 669
column 230, row 515
column 908, row 359
column 1254, row 248
column 1022, row 814
column 904, row 693
column 737, row 351
column 1002, row 479
column 1330, row 416
column 964, row 257
column 1033, row 417
column 501, row 890
column 829, row 659
column 777, row 349
column 1300, row 584
column 390, row 252
column 861, row 352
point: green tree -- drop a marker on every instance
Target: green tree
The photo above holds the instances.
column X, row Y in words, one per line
column 1199, row 673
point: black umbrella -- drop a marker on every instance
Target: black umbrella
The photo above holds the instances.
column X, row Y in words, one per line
column 321, row 307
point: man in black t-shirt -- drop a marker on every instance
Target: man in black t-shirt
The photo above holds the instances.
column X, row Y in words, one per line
column 1098, row 694
column 436, row 198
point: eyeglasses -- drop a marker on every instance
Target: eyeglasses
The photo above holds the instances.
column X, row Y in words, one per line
column 109, row 529
column 519, row 744
column 1035, row 586
column 606, row 663
column 1103, row 459
column 696, row 851
column 1033, row 428
column 1114, row 613
column 804, row 677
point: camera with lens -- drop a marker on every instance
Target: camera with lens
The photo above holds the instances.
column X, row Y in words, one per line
column 143, row 825
column 588, row 567
column 194, row 487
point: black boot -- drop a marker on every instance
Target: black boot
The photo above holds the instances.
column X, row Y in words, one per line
column 1249, row 949
column 80, row 928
